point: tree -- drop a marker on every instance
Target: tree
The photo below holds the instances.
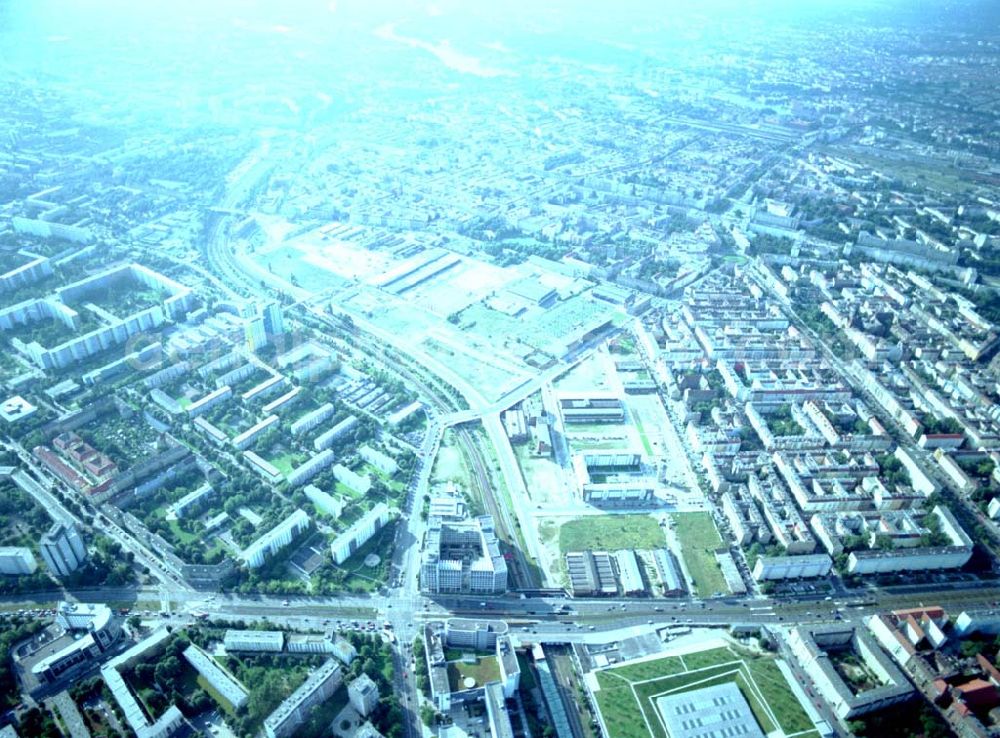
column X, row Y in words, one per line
column 971, row 649
column 428, row 715
column 167, row 670
column 884, row 542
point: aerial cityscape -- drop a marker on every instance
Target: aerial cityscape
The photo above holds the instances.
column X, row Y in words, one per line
column 445, row 369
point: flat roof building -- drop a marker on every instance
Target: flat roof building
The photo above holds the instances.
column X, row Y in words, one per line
column 628, row 572
column 363, row 695
column 102, row 631
column 17, row 561
column 347, row 543
column 710, row 712
column 62, row 549
column 254, row 640
column 813, row 646
column 275, row 539
column 591, row 573
column 462, row 556
column 218, row 678
column 294, row 711
column 480, row 635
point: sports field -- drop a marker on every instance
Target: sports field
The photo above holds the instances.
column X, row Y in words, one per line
column 627, row 694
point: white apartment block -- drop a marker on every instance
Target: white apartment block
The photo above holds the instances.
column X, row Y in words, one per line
column 275, row 539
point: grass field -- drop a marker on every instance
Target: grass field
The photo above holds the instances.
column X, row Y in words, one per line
column 483, row 671
column 627, row 695
column 930, row 173
column 288, row 461
column 644, row 438
column 698, row 539
column 610, row 533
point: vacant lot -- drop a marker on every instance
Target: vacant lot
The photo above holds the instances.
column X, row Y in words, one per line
column 627, row 695
column 698, row 539
column 610, row 533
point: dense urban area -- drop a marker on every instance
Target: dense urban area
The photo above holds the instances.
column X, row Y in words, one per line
column 599, row 376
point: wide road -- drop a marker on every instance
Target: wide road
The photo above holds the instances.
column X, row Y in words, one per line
column 559, row 614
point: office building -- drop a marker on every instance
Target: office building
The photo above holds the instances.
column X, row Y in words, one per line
column 496, row 711
column 593, row 408
column 478, row 635
column 463, row 556
column 270, row 641
column 510, row 669
column 621, row 480
column 62, row 549
column 102, row 631
column 309, row 643
column 719, row 710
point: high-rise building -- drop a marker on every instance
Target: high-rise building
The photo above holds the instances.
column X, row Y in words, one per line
column 275, row 539
column 347, row 543
column 62, row 549
column 274, row 319
column 255, row 334
column 363, row 695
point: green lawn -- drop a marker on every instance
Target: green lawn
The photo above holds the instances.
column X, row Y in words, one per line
column 627, row 695
column 642, row 437
column 485, row 670
column 651, row 669
column 181, row 536
column 344, row 491
column 367, row 578
column 288, row 461
column 610, row 533
column 699, row 539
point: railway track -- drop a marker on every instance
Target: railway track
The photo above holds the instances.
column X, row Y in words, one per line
column 522, row 578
